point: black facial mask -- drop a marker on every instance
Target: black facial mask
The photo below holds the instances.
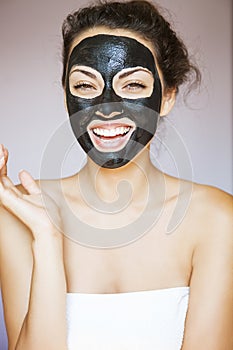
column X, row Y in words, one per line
column 109, row 55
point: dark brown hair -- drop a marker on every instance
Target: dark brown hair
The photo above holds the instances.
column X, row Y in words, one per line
column 145, row 19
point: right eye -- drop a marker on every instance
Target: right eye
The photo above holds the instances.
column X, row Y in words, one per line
column 84, row 89
column 84, row 86
column 85, row 82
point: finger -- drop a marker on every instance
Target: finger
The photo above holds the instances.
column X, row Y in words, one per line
column 7, row 181
column 2, row 155
column 7, row 184
column 3, row 171
column 8, row 194
column 1, row 150
column 6, row 154
column 28, row 182
column 3, row 160
column 15, row 204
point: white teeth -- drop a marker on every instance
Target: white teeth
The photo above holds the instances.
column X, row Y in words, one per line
column 112, row 132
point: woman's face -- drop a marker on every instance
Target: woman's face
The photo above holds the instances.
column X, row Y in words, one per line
column 113, row 94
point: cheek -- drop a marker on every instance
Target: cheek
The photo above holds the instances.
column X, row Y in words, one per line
column 77, row 104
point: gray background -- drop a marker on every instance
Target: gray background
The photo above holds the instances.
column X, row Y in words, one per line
column 32, row 105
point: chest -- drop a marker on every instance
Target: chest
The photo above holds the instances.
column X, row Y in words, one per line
column 123, row 252
column 153, row 261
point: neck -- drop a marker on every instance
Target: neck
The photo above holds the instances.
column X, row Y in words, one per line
column 129, row 181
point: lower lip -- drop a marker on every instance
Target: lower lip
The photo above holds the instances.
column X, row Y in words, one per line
column 110, row 144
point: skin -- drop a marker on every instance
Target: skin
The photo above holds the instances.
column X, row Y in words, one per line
column 197, row 254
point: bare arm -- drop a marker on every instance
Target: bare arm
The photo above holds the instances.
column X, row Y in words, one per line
column 209, row 321
column 42, row 316
column 44, row 326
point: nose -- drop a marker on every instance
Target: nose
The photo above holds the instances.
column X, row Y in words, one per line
column 110, row 105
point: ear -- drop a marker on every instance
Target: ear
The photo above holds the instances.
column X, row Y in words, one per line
column 168, row 101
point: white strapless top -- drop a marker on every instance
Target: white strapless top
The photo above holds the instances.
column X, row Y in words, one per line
column 142, row 320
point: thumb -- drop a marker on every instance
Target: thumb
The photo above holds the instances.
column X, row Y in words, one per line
column 28, row 182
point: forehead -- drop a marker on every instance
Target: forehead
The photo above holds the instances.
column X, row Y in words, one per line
column 110, row 52
column 91, row 32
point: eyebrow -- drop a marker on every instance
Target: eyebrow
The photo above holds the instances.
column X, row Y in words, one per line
column 89, row 74
column 126, row 74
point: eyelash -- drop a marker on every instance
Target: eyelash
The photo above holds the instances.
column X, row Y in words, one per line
column 87, row 86
column 135, row 84
column 83, row 85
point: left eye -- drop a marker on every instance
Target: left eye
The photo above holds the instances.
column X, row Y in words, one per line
column 134, row 86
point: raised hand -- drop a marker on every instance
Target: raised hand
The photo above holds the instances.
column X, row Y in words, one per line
column 40, row 268
column 29, row 207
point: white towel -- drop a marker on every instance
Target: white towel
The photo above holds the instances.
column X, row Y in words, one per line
column 123, row 321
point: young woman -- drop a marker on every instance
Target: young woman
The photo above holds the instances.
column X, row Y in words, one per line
column 87, row 262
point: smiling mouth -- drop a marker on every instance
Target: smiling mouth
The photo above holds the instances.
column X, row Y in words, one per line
column 110, row 137
column 111, row 133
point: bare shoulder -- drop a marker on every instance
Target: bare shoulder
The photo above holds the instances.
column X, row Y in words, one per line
column 214, row 207
column 207, row 214
column 213, row 198
column 206, row 205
